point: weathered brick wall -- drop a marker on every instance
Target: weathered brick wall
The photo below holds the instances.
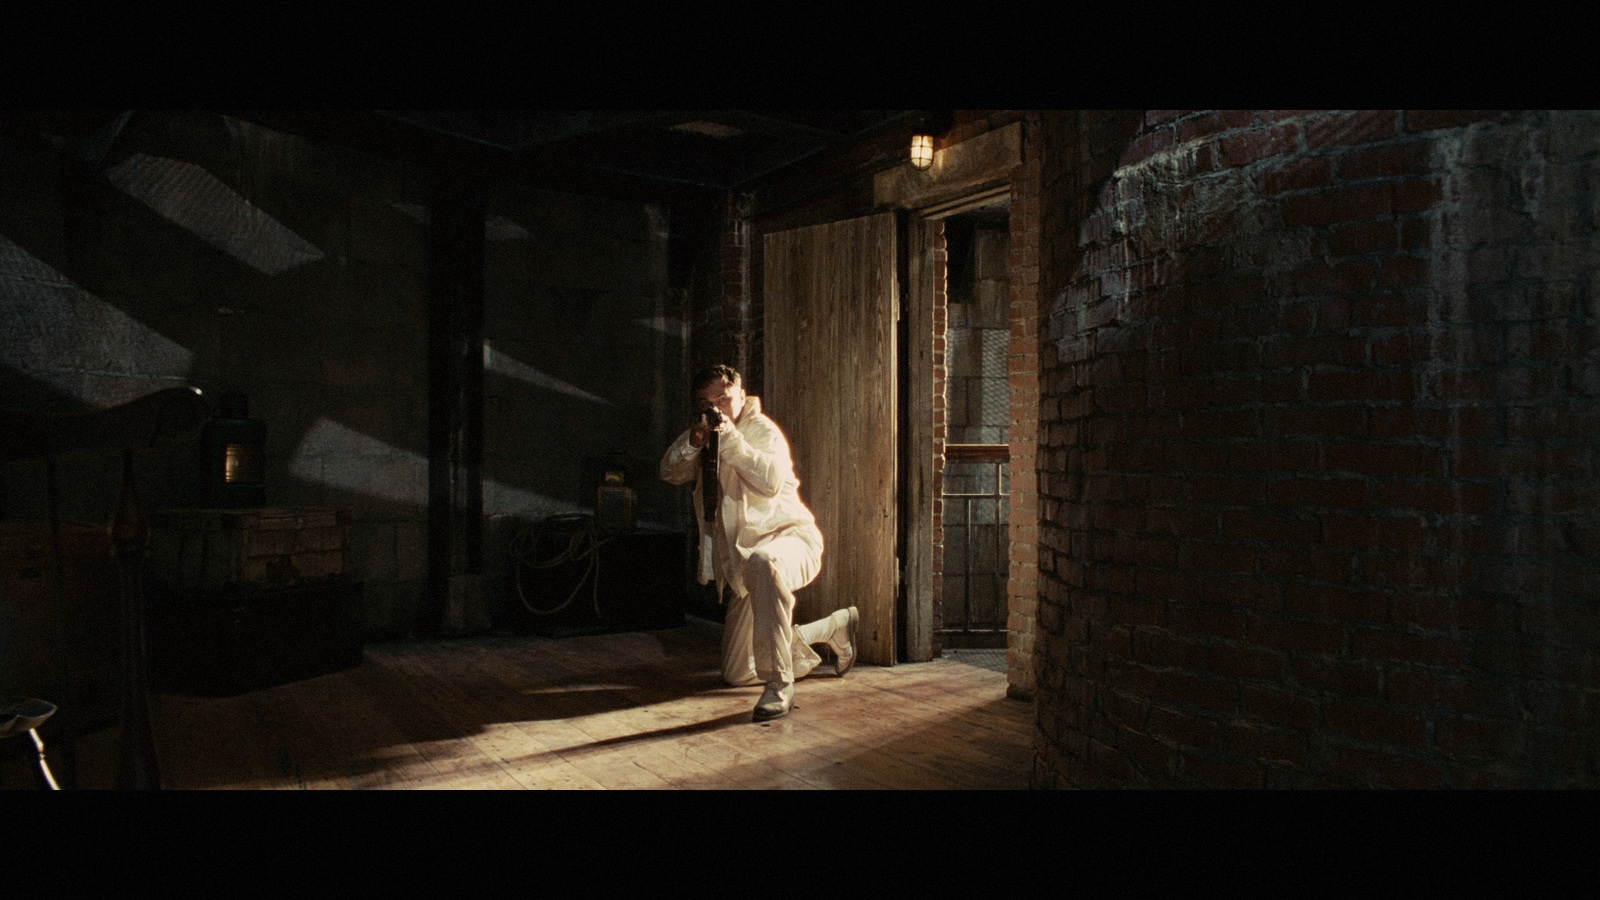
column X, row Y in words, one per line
column 941, row 424
column 1318, row 484
column 727, row 326
column 1023, row 370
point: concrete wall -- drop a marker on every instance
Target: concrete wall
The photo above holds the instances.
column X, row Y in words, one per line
column 1317, row 469
column 199, row 249
column 584, row 368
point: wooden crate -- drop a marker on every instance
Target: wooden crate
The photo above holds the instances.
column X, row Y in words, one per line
column 245, row 599
column 211, row 549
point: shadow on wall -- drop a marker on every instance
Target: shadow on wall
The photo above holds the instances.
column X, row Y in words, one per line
column 197, row 249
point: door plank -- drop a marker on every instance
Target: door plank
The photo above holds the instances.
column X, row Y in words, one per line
column 829, row 296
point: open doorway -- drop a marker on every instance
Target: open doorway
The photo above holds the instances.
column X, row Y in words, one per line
column 976, row 475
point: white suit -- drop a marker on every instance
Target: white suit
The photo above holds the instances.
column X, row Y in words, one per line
column 765, row 546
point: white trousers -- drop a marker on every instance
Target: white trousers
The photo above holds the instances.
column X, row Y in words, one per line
column 760, row 642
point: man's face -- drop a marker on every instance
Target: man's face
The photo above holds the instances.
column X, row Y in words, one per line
column 727, row 398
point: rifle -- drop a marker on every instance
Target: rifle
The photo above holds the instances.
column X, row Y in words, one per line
column 709, row 493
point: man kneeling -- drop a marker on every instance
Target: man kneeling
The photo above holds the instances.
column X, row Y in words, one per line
column 761, row 543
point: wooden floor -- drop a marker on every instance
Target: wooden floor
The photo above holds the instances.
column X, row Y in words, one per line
column 624, row 711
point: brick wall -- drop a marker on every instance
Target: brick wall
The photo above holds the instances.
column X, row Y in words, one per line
column 1317, row 478
column 1023, row 585
column 941, row 326
column 733, row 326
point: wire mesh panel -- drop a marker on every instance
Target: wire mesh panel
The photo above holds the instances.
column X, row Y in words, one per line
column 976, row 542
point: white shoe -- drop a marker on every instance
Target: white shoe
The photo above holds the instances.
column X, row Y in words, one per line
column 775, row 702
column 843, row 641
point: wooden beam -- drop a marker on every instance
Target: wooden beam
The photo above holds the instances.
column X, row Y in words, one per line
column 455, row 406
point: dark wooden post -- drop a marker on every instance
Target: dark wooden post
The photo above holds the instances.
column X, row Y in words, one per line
column 455, row 406
column 130, row 536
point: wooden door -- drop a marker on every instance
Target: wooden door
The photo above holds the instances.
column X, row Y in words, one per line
column 831, row 303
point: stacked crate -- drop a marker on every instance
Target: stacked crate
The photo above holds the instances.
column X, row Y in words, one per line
column 245, row 599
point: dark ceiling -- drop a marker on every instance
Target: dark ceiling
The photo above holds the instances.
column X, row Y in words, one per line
column 721, row 148
column 624, row 152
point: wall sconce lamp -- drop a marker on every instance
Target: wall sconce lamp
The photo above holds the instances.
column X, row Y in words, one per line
column 921, row 150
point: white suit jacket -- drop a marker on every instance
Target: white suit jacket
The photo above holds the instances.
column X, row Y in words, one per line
column 760, row 493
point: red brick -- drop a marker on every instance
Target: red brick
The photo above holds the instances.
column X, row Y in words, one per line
column 1545, row 497
column 1180, row 587
column 1155, row 552
column 1345, row 493
column 1158, row 647
column 1342, row 278
column 1225, row 490
column 1253, row 526
column 1252, row 146
column 1409, row 422
column 1385, row 459
column 1379, row 769
column 1475, row 736
column 1181, row 728
column 1280, row 457
column 1278, row 707
column 1495, row 776
column 1413, row 571
column 1481, row 696
column 1107, row 763
column 1375, row 723
column 1404, row 272
column 1221, row 773
column 1374, row 310
column 1209, row 557
column 1416, row 195
column 1363, row 238
column 1542, row 660
column 1326, row 638
column 1323, row 349
column 1249, row 592
column 1198, row 690
column 1295, row 175
column 1323, row 602
column 1362, row 386
column 1346, row 129
column 1557, row 705
column 1340, row 678
column 1432, row 119
column 1245, row 662
column 1213, row 621
column 1330, row 206
column 1147, row 755
column 1530, row 462
column 1449, row 497
column 1405, row 647
column 1570, row 618
column 1382, row 532
column 1314, row 564
column 1385, row 160
column 1199, row 126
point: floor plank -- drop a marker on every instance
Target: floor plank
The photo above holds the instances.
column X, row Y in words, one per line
column 635, row 711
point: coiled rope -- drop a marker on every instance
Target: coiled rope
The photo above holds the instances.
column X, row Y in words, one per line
column 584, row 544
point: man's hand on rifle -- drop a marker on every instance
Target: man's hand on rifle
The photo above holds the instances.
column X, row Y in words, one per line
column 699, row 431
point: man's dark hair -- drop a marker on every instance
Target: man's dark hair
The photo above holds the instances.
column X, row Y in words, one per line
column 714, row 373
